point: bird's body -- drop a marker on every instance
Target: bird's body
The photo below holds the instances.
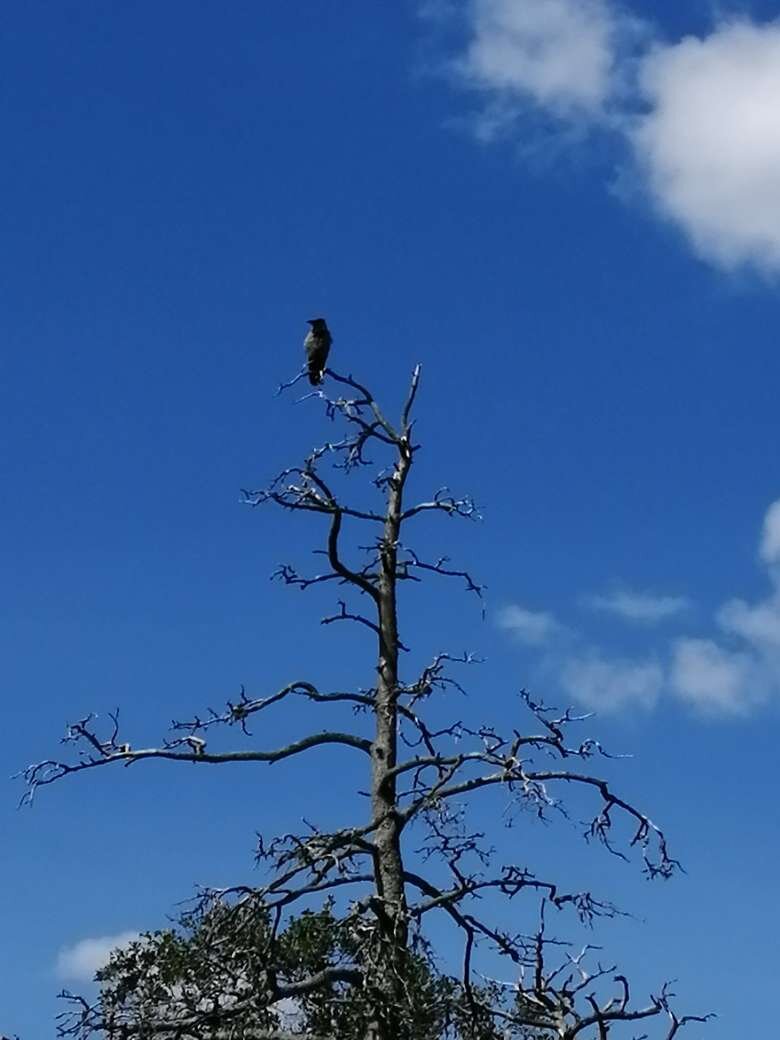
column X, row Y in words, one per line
column 317, row 346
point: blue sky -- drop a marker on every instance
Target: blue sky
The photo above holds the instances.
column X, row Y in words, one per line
column 570, row 214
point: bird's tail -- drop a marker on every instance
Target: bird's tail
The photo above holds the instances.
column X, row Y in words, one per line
column 315, row 375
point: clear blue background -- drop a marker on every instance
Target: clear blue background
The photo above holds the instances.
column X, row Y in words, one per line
column 182, row 185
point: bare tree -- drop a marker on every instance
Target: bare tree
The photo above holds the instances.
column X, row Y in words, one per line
column 360, row 965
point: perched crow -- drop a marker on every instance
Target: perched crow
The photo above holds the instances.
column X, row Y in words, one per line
column 317, row 345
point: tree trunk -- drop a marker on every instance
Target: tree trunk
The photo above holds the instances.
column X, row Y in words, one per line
column 390, row 892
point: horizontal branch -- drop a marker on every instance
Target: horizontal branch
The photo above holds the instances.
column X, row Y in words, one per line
column 444, row 502
column 413, row 562
column 326, row 977
column 47, row 772
column 240, row 712
column 346, row 615
column 531, row 785
column 510, row 883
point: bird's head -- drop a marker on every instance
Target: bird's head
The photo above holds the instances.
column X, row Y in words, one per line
column 316, row 323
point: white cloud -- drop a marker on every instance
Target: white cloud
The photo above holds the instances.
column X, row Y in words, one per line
column 559, row 54
column 529, row 626
column 713, row 679
column 611, row 685
column 701, row 115
column 710, row 142
column 730, row 672
column 758, row 625
column 770, row 537
column 640, row 606
column 80, row 961
column 732, row 681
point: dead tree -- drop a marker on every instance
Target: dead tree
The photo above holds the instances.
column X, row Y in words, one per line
column 376, row 977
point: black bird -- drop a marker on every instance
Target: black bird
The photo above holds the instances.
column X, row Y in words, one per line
column 317, row 347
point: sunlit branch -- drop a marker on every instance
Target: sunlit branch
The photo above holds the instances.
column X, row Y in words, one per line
column 238, row 713
column 41, row 774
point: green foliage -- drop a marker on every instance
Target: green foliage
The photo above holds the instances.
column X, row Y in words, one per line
column 190, row 972
column 215, row 964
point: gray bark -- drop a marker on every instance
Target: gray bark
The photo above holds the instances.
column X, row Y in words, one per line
column 391, row 898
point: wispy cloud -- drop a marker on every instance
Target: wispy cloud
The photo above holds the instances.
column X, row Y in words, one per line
column 736, row 674
column 642, row 607
column 585, row 674
column 559, row 54
column 770, row 536
column 532, row 627
column 612, row 684
column 757, row 624
column 697, row 115
column 713, row 679
column 78, row 963
column 732, row 670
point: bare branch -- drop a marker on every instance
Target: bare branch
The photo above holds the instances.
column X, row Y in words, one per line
column 41, row 774
column 240, row 712
column 367, row 956
column 413, row 388
column 351, row 408
column 444, row 502
column 413, row 562
column 345, row 615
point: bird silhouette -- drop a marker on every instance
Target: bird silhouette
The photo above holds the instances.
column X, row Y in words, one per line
column 317, row 347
